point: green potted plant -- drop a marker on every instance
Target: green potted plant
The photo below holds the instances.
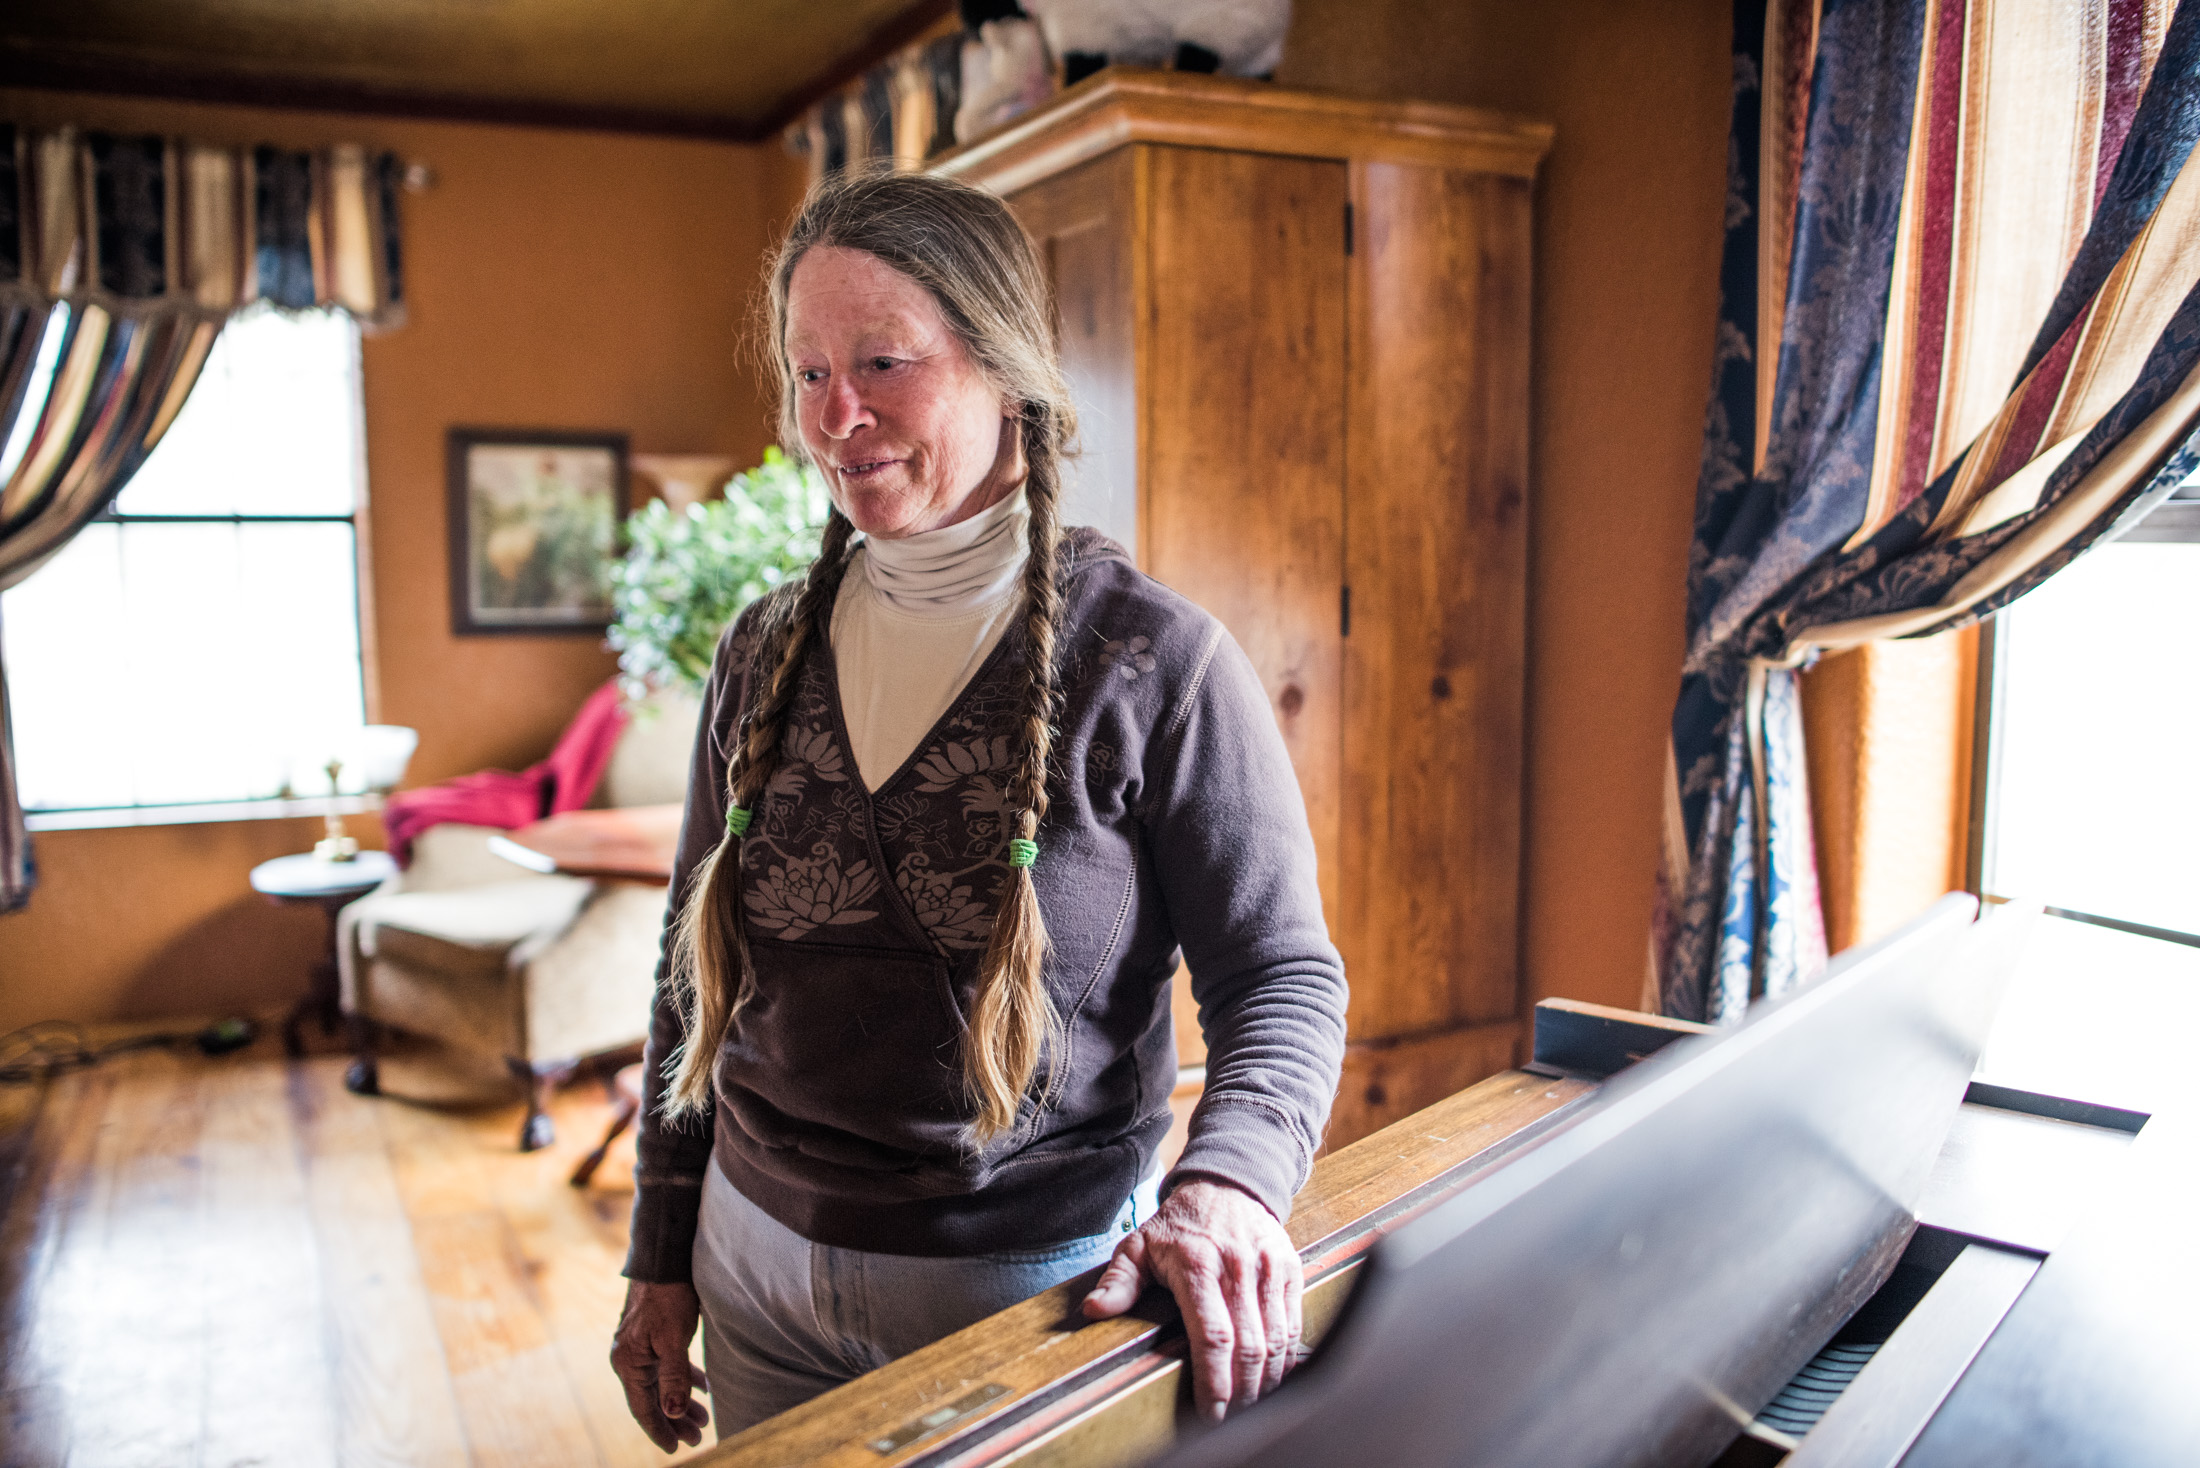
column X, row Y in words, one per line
column 687, row 574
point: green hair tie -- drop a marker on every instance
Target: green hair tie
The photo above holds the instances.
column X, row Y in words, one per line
column 737, row 822
column 1022, row 853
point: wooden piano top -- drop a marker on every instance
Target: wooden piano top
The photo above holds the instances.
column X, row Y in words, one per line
column 1044, row 1361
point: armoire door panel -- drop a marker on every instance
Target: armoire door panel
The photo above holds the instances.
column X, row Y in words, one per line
column 1244, row 454
column 1085, row 224
column 1434, row 668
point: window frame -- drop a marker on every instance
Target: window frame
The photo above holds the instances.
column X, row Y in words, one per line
column 269, row 807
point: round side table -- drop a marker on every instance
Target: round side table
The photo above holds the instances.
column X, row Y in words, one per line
column 327, row 885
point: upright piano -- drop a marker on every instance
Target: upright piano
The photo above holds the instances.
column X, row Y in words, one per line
column 1823, row 1237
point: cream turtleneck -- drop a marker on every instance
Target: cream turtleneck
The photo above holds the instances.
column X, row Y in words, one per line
column 914, row 620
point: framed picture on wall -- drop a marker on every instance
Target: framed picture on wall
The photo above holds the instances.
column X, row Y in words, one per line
column 534, row 528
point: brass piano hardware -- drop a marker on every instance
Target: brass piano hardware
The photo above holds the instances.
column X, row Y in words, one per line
column 938, row 1419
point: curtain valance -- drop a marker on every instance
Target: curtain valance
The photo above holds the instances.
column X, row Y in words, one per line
column 137, row 224
column 1959, row 343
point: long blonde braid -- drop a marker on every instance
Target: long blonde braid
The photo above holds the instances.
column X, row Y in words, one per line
column 1012, row 1021
column 710, row 941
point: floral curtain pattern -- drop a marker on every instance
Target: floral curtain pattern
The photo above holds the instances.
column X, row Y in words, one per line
column 1958, row 344
column 120, row 257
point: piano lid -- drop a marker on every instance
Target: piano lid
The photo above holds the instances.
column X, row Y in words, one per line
column 1540, row 1318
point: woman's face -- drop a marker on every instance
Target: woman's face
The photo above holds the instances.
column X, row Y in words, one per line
column 892, row 410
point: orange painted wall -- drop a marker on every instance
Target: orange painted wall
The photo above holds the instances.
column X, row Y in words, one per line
column 1629, row 210
column 1888, row 727
column 554, row 279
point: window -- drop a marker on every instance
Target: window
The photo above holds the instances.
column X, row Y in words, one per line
column 2091, row 790
column 199, row 643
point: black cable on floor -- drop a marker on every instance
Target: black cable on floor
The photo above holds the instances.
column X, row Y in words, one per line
column 55, row 1047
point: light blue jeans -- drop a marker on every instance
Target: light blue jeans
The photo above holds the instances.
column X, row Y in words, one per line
column 785, row 1319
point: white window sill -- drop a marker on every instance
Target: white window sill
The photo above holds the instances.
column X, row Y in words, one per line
column 191, row 815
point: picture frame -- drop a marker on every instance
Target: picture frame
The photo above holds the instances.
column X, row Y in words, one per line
column 535, row 521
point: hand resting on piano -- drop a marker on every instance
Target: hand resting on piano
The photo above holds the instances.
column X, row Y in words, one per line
column 1236, row 1277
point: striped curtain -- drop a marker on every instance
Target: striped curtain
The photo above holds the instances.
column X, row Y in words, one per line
column 1959, row 343
column 120, row 257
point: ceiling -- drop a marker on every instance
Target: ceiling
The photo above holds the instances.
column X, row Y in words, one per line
column 711, row 68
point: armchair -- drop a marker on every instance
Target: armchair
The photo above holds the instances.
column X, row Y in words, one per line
column 539, row 972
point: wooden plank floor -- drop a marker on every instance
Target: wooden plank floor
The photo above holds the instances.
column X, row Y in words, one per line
column 235, row 1261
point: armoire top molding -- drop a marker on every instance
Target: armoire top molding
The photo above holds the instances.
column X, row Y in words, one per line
column 1124, row 105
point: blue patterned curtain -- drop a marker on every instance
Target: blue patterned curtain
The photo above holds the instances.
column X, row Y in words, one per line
column 1958, row 337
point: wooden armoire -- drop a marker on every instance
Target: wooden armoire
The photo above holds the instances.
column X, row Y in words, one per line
column 1296, row 327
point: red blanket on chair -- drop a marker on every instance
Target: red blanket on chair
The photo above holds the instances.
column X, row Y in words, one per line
column 500, row 798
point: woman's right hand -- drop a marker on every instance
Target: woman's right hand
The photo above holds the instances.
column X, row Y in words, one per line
column 650, row 1353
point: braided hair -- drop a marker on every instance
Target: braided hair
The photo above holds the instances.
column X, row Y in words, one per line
column 961, row 244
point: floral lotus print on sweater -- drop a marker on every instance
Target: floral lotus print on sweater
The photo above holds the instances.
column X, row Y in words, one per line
column 803, row 896
column 943, row 824
column 948, row 857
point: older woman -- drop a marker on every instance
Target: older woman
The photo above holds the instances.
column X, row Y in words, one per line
column 961, row 798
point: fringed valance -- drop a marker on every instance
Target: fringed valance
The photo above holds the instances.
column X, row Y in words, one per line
column 153, row 225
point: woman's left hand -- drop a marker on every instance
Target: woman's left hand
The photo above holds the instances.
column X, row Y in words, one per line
column 1236, row 1278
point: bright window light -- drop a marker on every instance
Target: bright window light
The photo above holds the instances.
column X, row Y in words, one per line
column 26, row 423
column 200, row 643
column 2095, row 801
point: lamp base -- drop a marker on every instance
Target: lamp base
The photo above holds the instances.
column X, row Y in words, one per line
column 336, row 848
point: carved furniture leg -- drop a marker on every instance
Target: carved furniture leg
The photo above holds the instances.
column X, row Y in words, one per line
column 536, row 1130
column 363, row 1077
column 626, row 1093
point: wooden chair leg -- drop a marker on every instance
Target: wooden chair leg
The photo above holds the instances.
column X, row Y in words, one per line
column 294, row 1043
column 621, row 1119
column 536, row 1130
column 363, row 1077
